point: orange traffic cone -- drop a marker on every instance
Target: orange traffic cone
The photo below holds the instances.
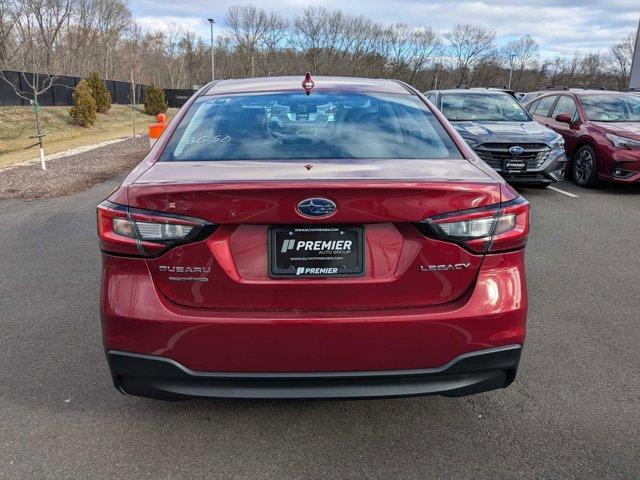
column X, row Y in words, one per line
column 156, row 129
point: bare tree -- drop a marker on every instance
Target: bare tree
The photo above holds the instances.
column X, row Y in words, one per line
column 272, row 42
column 359, row 40
column 618, row 61
column 408, row 50
column 36, row 25
column 564, row 69
column 197, row 56
column 426, row 45
column 468, row 45
column 488, row 72
column 94, row 30
column 174, row 60
column 520, row 54
column 591, row 70
column 47, row 18
column 317, row 35
column 56, row 37
column 247, row 26
column 6, row 29
column 133, row 56
column 114, row 17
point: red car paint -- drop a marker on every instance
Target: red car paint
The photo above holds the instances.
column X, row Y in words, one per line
column 397, row 316
column 582, row 131
column 137, row 317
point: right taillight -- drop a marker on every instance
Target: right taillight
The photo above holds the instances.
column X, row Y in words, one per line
column 132, row 231
column 497, row 228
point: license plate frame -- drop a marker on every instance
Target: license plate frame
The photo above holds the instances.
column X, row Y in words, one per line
column 519, row 169
column 284, row 261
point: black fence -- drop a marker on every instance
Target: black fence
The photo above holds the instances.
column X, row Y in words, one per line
column 60, row 93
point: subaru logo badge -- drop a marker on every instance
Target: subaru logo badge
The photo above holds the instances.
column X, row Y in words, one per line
column 516, row 150
column 316, row 207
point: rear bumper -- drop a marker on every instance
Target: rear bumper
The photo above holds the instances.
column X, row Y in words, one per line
column 137, row 318
column 163, row 378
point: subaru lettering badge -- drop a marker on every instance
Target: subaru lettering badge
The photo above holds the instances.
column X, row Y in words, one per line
column 316, row 207
column 516, row 150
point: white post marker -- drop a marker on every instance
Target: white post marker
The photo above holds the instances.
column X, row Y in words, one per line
column 43, row 165
column 36, row 109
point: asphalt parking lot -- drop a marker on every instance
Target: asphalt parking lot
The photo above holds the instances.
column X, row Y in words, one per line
column 573, row 412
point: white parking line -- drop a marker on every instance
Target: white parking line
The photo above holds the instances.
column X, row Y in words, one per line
column 568, row 194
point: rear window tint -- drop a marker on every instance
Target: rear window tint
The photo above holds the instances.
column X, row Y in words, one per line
column 494, row 107
column 298, row 126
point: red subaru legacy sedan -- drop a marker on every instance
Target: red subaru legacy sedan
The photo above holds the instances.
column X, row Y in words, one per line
column 336, row 239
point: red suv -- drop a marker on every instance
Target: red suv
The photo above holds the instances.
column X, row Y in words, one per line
column 601, row 131
column 337, row 240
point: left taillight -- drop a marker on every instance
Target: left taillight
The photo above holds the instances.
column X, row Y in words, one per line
column 493, row 229
column 131, row 231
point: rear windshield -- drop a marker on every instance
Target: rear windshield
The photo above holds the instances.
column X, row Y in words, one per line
column 611, row 108
column 498, row 107
column 322, row 125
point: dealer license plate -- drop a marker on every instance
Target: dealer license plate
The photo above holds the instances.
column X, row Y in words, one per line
column 313, row 251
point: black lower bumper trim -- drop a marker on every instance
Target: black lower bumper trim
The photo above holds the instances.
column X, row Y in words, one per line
column 531, row 179
column 163, row 378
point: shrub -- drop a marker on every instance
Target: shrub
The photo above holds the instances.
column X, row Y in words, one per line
column 84, row 112
column 99, row 92
column 155, row 101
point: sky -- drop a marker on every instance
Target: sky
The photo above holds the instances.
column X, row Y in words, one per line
column 561, row 27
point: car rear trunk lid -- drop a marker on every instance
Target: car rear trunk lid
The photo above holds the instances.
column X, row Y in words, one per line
column 385, row 198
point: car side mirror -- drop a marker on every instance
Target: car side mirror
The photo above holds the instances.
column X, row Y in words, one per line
column 564, row 118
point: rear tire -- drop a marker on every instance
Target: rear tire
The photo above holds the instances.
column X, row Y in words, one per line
column 584, row 171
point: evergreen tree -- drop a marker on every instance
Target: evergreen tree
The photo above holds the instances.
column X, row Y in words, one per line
column 99, row 92
column 84, row 112
column 154, row 101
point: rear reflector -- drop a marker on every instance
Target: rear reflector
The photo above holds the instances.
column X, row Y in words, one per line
column 131, row 231
column 492, row 229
